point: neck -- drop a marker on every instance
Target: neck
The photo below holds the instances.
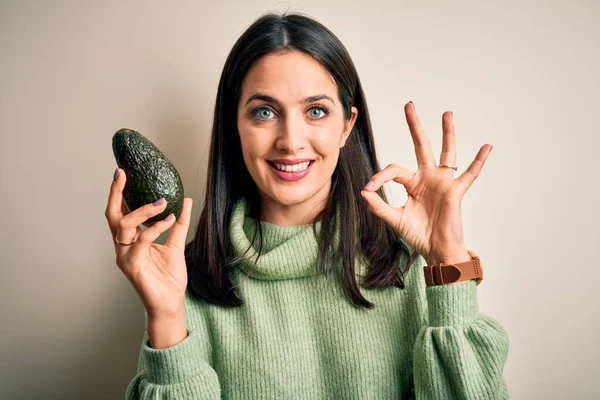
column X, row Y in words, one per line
column 293, row 214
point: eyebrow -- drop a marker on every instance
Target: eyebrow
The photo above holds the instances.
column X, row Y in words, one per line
column 262, row 96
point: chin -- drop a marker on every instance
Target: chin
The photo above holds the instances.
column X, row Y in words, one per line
column 287, row 196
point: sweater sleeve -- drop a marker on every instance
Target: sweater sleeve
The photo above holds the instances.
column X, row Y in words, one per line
column 459, row 353
column 182, row 371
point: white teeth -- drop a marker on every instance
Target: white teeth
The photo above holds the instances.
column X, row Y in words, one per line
column 292, row 168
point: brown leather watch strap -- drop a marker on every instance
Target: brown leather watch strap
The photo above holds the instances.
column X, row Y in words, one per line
column 444, row 274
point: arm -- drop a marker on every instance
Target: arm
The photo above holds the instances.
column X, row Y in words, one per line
column 180, row 370
column 459, row 353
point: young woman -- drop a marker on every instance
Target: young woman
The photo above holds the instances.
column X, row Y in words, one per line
column 302, row 281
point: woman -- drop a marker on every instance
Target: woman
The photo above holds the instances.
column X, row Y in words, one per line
column 302, row 281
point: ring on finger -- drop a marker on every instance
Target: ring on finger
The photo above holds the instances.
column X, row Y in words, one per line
column 124, row 244
column 448, row 166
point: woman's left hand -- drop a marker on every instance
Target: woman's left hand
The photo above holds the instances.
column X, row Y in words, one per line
column 430, row 221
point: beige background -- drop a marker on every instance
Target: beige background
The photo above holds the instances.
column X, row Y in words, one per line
column 522, row 76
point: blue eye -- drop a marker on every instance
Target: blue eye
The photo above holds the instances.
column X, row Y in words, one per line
column 318, row 112
column 261, row 113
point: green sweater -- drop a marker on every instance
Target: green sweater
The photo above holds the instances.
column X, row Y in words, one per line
column 297, row 337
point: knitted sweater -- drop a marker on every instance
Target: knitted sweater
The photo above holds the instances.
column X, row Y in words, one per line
column 297, row 337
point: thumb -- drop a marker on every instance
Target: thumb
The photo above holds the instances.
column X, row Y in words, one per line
column 180, row 228
column 383, row 210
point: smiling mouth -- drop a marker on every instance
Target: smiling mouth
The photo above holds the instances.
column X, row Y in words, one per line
column 291, row 168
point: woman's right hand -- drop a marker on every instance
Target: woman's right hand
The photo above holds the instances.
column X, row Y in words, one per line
column 157, row 272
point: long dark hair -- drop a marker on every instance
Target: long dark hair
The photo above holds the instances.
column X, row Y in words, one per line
column 209, row 256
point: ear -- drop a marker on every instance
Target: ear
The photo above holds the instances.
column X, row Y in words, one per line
column 349, row 126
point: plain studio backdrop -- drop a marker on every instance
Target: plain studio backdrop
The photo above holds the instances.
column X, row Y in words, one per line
column 522, row 76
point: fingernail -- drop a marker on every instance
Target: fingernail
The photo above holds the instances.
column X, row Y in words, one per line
column 170, row 217
column 159, row 202
column 116, row 174
column 369, row 185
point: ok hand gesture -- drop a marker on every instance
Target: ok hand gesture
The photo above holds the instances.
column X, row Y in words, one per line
column 431, row 220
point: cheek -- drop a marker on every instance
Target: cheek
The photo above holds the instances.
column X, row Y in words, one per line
column 254, row 146
column 247, row 150
column 328, row 145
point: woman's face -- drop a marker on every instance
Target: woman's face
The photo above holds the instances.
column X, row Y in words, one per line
column 292, row 127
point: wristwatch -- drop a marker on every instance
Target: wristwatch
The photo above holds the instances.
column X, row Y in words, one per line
column 444, row 274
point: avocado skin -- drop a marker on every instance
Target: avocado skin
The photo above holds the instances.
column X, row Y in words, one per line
column 150, row 174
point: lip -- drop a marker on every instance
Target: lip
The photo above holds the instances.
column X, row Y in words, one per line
column 290, row 176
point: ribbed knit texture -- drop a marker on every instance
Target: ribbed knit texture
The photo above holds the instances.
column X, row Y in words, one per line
column 297, row 337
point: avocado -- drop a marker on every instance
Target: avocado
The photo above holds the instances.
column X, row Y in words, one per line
column 150, row 175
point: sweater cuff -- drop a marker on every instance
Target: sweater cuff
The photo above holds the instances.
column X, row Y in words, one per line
column 176, row 363
column 452, row 304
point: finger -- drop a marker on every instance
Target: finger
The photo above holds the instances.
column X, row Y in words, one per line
column 466, row 179
column 129, row 224
column 391, row 172
column 148, row 236
column 179, row 233
column 383, row 210
column 121, row 249
column 115, row 209
column 448, row 155
column 423, row 149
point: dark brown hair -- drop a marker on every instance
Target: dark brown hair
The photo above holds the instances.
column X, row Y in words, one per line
column 209, row 257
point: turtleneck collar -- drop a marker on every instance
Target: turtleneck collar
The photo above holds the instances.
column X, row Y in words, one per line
column 288, row 252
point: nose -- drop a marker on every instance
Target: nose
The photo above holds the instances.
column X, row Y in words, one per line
column 292, row 134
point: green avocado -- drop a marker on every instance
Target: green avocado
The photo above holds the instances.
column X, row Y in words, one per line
column 150, row 175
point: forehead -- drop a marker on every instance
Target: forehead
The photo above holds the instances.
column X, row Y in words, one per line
column 288, row 75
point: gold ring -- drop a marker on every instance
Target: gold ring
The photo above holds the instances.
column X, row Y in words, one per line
column 123, row 244
column 444, row 165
